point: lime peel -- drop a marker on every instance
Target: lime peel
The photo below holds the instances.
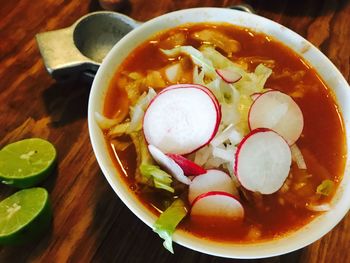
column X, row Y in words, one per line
column 24, row 216
column 27, row 162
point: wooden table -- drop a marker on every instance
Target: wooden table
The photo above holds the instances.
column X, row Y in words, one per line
column 90, row 222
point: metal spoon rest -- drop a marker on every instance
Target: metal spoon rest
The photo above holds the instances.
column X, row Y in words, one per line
column 79, row 49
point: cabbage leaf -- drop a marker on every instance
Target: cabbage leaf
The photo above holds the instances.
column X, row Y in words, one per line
column 148, row 173
column 325, row 188
column 168, row 221
column 196, row 56
column 161, row 179
column 138, row 110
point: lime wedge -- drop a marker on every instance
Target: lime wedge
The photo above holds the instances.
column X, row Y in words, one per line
column 26, row 163
column 24, row 215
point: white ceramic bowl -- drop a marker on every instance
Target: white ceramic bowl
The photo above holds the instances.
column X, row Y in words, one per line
column 329, row 73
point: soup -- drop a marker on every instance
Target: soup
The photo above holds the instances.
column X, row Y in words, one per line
column 248, row 68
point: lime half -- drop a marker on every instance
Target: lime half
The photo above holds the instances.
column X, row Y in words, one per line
column 26, row 163
column 24, row 215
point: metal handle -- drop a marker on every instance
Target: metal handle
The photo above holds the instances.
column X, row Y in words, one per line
column 79, row 49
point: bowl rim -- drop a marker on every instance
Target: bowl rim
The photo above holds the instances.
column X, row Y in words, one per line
column 336, row 82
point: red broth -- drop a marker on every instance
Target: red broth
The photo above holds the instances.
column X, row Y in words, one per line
column 322, row 141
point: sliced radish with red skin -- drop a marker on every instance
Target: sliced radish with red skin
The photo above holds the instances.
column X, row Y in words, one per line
column 217, row 204
column 229, row 76
column 263, row 160
column 212, row 180
column 189, row 167
column 168, row 164
column 255, row 95
column 203, row 88
column 279, row 112
column 181, row 119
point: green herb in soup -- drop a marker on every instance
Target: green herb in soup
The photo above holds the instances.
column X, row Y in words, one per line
column 225, row 133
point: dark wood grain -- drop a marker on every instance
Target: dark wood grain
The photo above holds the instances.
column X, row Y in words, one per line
column 91, row 224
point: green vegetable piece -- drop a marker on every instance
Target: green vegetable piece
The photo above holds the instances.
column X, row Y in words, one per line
column 148, row 173
column 325, row 188
column 118, row 130
column 220, row 61
column 168, row 221
column 143, row 156
column 26, row 163
column 24, row 216
column 160, row 178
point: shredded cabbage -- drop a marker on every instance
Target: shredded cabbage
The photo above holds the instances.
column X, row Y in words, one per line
column 220, row 61
column 254, row 82
column 325, row 188
column 135, row 75
column 161, row 179
column 319, row 208
column 132, row 89
column 173, row 72
column 218, row 39
column 104, row 122
column 297, row 157
column 142, row 157
column 138, row 110
column 168, row 221
column 148, row 173
column 118, row 130
column 154, row 79
column 196, row 56
column 234, row 99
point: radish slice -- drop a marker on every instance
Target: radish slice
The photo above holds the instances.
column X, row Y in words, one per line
column 228, row 75
column 169, row 164
column 279, row 112
column 212, row 180
column 217, row 205
column 203, row 88
column 189, row 167
column 255, row 95
column 181, row 119
column 263, row 160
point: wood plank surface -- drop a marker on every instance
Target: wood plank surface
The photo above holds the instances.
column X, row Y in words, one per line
column 91, row 224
